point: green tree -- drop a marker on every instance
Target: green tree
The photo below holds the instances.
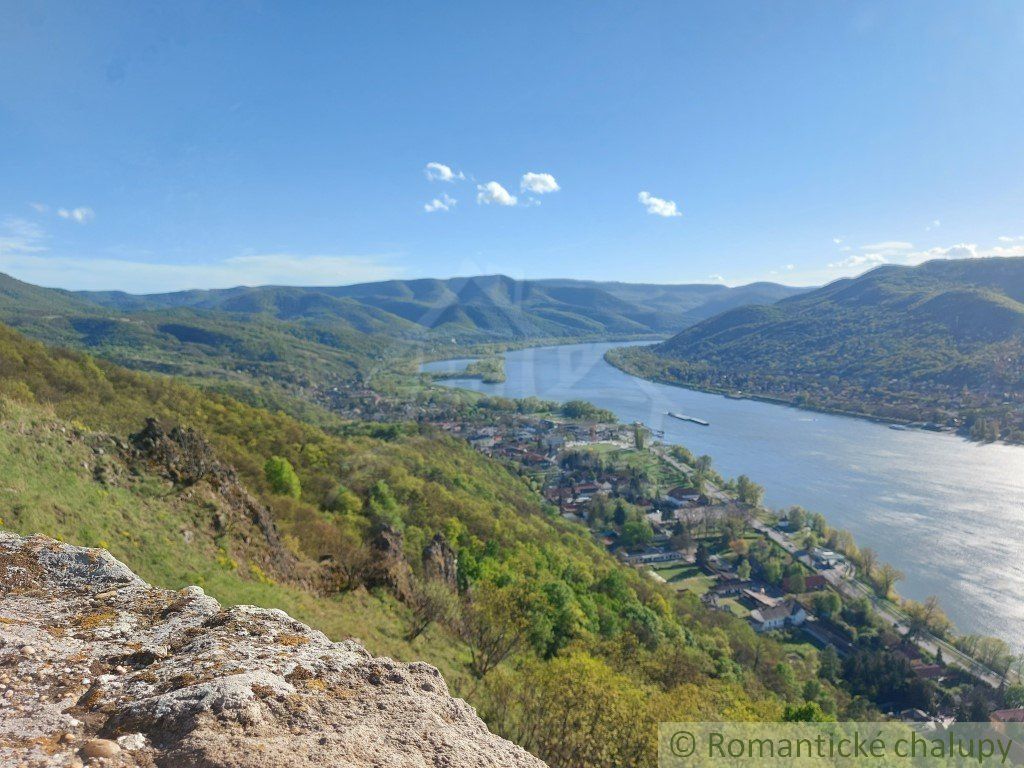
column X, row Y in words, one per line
column 868, row 561
column 494, row 624
column 829, row 667
column 281, row 477
column 827, row 604
column 1014, row 696
column 636, row 533
column 748, row 491
column 431, row 601
column 344, row 502
column 886, row 579
column 796, row 581
column 639, row 436
column 743, row 569
column 702, row 554
column 384, row 506
column 809, row 712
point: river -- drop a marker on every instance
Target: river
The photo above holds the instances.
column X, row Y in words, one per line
column 947, row 512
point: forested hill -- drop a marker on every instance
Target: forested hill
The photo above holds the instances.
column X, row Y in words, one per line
column 473, row 309
column 402, row 537
column 283, row 359
column 943, row 341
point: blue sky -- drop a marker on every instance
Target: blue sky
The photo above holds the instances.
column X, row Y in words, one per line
column 153, row 147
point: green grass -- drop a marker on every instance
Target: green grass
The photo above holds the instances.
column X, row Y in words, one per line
column 737, row 608
column 48, row 486
column 665, row 475
column 687, row 578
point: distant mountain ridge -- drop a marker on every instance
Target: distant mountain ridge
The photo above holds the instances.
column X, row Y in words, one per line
column 943, row 341
column 482, row 308
column 300, row 344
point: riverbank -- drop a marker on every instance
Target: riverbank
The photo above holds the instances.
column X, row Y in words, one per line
column 626, row 363
column 945, row 511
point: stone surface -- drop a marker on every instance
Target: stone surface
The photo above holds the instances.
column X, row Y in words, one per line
column 97, row 666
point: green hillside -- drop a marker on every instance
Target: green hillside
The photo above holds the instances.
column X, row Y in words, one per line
column 261, row 357
column 474, row 309
column 942, row 342
column 298, row 348
column 334, row 530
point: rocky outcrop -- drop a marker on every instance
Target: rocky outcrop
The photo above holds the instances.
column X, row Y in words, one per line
column 440, row 562
column 181, row 455
column 388, row 567
column 184, row 457
column 99, row 668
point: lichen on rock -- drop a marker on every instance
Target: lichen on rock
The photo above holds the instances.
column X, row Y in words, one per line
column 97, row 667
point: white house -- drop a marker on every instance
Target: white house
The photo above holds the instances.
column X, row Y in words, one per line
column 785, row 614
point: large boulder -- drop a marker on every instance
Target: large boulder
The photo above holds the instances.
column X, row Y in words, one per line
column 98, row 667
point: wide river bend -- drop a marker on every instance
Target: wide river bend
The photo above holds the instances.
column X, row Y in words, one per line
column 947, row 512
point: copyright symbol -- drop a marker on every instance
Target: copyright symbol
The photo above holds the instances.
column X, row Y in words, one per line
column 682, row 744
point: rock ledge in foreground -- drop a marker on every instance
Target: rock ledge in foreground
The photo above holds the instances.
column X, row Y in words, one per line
column 98, row 667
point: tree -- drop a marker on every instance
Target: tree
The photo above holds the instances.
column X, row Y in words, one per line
column 828, row 664
column 702, row 555
column 636, row 533
column 344, row 502
column 886, row 579
column 795, row 580
column 926, row 617
column 827, row 604
column 749, row 492
column 639, row 436
column 575, row 710
column 1014, row 696
column 743, row 569
column 281, row 477
column 809, row 712
column 494, row 624
column 431, row 601
column 384, row 506
column 868, row 561
column 682, row 538
column 797, row 517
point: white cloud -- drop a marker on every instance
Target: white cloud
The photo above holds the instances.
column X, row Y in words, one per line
column 958, row 251
column 538, row 183
column 493, row 192
column 889, row 246
column 39, row 207
column 935, row 224
column 790, row 267
column 837, row 240
column 443, row 203
column 442, row 172
column 657, row 206
column 859, row 260
column 898, row 252
column 81, row 215
column 143, row 277
column 965, row 251
column 19, row 237
column 716, row 278
column 1009, row 239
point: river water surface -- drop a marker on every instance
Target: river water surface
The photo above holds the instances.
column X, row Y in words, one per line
column 946, row 512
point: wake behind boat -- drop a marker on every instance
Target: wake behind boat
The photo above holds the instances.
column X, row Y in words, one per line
column 692, row 419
